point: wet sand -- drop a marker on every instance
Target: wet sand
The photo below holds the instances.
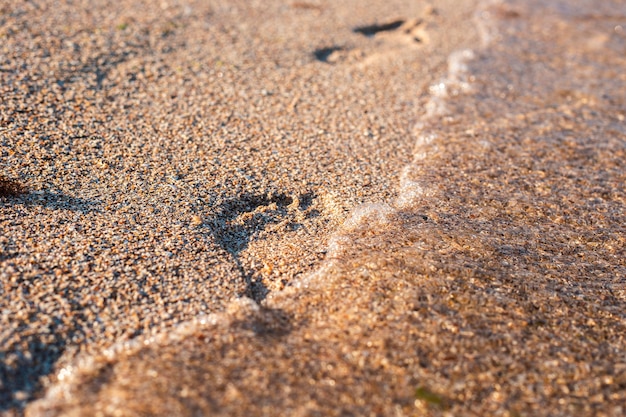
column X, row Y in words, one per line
column 193, row 241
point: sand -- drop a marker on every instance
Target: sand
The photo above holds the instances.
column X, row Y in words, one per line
column 193, row 239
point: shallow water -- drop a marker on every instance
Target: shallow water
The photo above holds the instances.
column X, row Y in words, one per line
column 493, row 283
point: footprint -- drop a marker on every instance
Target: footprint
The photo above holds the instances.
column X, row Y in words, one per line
column 390, row 37
column 413, row 30
column 371, row 30
column 240, row 219
column 337, row 54
column 248, row 218
column 330, row 54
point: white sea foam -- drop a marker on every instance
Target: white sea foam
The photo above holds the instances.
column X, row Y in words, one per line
column 410, row 191
column 455, row 82
column 364, row 216
column 485, row 24
column 369, row 214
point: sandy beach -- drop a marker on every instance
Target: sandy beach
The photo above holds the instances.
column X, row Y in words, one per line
column 310, row 208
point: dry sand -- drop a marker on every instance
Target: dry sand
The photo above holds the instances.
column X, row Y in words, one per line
column 189, row 163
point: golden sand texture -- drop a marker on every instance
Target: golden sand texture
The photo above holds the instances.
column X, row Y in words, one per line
column 178, row 155
column 497, row 287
